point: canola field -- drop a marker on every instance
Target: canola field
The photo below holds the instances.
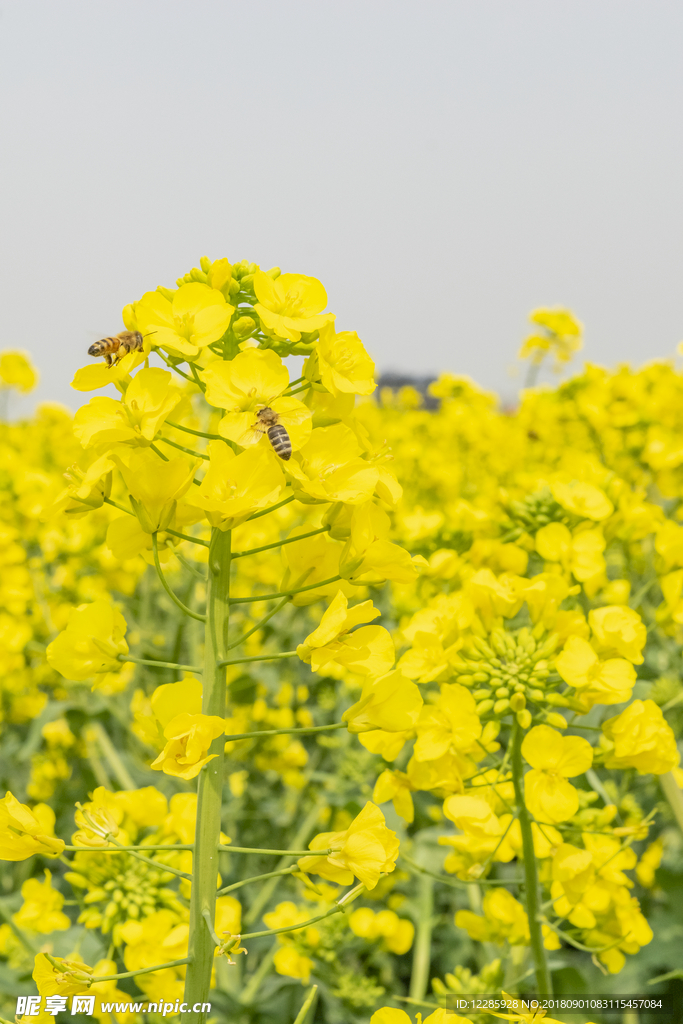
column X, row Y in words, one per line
column 322, row 707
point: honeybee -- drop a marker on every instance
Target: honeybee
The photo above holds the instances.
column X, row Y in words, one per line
column 114, row 349
column 268, row 422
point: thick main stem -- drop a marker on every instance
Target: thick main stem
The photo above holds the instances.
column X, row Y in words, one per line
column 533, row 901
column 422, row 951
column 210, row 787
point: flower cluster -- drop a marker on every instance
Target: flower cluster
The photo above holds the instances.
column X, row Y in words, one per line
column 461, row 692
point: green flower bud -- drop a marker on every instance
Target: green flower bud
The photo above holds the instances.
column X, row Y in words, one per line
column 557, row 700
column 484, row 707
column 94, row 896
column 243, row 327
column 524, row 718
column 518, row 702
column 502, row 691
column 501, row 706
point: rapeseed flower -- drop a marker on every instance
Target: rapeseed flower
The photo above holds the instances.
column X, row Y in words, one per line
column 187, row 750
column 554, row 758
column 641, row 738
column 91, row 643
column 290, row 305
column 595, row 681
column 24, row 832
column 367, row 651
column 17, row 371
column 390, row 703
column 187, row 320
column 341, row 363
column 235, row 486
column 136, row 420
column 366, row 850
column 254, row 380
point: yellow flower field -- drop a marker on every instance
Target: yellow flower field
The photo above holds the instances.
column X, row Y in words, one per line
column 344, row 712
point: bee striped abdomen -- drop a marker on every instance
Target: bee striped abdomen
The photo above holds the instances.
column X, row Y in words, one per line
column 119, row 346
column 103, row 346
column 279, row 438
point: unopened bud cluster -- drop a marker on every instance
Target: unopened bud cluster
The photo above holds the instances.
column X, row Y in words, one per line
column 120, row 887
column 507, row 671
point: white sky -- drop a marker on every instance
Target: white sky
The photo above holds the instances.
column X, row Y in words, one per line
column 442, row 167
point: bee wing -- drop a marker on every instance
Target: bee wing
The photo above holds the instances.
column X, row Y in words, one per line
column 253, row 435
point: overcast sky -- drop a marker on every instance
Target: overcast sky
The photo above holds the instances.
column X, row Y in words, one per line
column 442, row 167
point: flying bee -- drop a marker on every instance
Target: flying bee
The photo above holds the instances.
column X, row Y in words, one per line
column 114, row 349
column 268, row 422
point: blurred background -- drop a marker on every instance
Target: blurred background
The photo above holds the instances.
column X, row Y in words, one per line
column 442, row 167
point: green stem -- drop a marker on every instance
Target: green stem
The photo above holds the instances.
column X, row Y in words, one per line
column 302, row 1015
column 89, row 978
column 266, row 891
column 281, row 543
column 121, row 508
column 210, row 786
column 284, row 593
column 197, row 433
column 422, row 950
column 111, row 754
column 258, row 657
column 457, row 881
column 181, row 448
column 274, row 853
column 173, row 366
column 190, row 567
column 198, row 382
column 337, row 909
column 261, row 622
column 304, row 387
column 185, row 536
column 129, row 849
column 260, row 733
column 96, row 765
column 160, row 454
column 155, row 863
column 256, row 878
column 254, row 983
column 160, row 664
column 543, row 980
column 24, row 939
column 674, row 795
column 176, row 600
column 265, row 511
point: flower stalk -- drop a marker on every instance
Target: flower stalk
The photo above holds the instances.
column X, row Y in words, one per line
column 531, row 887
column 210, row 787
